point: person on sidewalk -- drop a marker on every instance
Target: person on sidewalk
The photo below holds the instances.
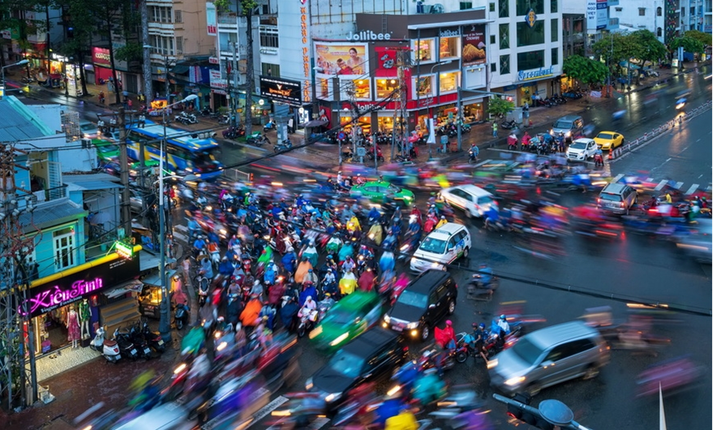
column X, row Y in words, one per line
column 495, row 129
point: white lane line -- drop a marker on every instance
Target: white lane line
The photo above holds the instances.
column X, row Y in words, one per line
column 617, row 177
column 692, row 190
column 314, row 425
column 267, row 409
column 181, row 227
column 661, row 184
column 678, row 185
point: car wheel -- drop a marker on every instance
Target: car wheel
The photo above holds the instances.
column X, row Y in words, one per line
column 451, row 307
column 591, row 372
column 425, row 332
column 466, row 251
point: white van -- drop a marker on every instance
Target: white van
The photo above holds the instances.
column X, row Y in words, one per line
column 442, row 246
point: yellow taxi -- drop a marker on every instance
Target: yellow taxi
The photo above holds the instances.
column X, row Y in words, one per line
column 608, row 140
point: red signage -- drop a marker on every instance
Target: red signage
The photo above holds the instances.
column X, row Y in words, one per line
column 386, row 57
column 101, row 57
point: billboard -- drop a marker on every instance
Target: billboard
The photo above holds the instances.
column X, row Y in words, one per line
column 474, row 51
column 597, row 17
column 281, row 90
column 101, row 57
column 342, row 59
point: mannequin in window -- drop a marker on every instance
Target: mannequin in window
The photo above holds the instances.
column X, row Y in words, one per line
column 73, row 327
column 85, row 314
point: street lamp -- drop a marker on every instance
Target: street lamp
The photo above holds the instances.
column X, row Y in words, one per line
column 164, row 323
column 438, row 98
column 2, row 71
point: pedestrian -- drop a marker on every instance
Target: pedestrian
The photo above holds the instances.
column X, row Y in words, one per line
column 495, row 129
column 129, row 104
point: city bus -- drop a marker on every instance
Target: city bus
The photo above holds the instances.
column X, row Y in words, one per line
column 184, row 153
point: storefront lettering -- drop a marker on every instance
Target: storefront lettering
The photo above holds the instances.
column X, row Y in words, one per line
column 368, row 35
column 57, row 297
column 449, row 33
column 306, row 62
column 534, row 74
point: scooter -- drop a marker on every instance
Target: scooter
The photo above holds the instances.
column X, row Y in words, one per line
column 308, row 320
column 283, row 146
column 508, row 124
column 154, row 339
column 181, row 315
column 258, row 139
column 108, row 348
column 203, row 286
column 269, row 126
column 126, row 347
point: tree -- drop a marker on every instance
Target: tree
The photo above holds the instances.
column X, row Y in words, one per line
column 83, row 25
column 106, row 14
column 613, row 50
column 500, row 107
column 585, row 70
column 689, row 44
column 705, row 38
column 646, row 47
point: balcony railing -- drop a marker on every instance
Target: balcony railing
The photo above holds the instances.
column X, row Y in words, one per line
column 229, row 19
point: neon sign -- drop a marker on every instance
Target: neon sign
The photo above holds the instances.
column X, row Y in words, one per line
column 56, row 297
column 124, row 250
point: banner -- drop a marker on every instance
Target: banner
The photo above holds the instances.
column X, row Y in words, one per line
column 474, row 51
column 211, row 19
column 342, row 59
column 281, row 90
column 602, row 17
column 386, row 57
column 100, row 57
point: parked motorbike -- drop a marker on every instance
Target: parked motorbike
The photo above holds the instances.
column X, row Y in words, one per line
column 142, row 345
column 508, row 124
column 258, row 139
column 126, row 346
column 269, row 126
column 283, row 146
column 186, row 118
column 181, row 315
column 154, row 339
column 108, row 348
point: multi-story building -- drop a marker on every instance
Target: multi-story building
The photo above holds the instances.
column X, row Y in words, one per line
column 584, row 22
column 665, row 18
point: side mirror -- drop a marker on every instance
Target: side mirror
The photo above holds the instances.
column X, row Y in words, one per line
column 546, row 364
column 432, row 306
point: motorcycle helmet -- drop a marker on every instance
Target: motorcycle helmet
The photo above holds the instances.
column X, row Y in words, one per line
column 449, row 323
column 481, row 326
column 503, row 317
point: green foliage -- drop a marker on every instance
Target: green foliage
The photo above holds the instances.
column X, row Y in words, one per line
column 646, row 47
column 705, row 38
column 129, row 52
column 222, row 6
column 585, row 70
column 689, row 44
column 499, row 107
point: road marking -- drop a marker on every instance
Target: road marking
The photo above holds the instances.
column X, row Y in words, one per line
column 692, row 190
column 314, row 425
column 617, row 177
column 661, row 184
column 181, row 227
column 678, row 185
column 267, row 409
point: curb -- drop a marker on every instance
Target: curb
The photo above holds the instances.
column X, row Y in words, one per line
column 236, row 143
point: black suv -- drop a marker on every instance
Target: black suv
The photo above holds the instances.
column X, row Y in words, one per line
column 374, row 354
column 422, row 304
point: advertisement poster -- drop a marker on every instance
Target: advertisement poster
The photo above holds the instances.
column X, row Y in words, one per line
column 342, row 59
column 474, row 45
column 602, row 18
column 281, row 90
column 100, row 57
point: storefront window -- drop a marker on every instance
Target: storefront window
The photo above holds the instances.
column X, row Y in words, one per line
column 424, row 87
column 522, row 6
column 386, row 123
column 527, row 35
column 449, row 82
column 448, row 47
column 364, row 122
column 530, row 60
column 423, row 50
column 362, row 89
column 473, row 113
column 384, row 87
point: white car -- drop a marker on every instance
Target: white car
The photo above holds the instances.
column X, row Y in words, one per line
column 442, row 246
column 474, row 201
column 582, row 149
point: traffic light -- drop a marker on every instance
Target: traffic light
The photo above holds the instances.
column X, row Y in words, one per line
column 521, row 410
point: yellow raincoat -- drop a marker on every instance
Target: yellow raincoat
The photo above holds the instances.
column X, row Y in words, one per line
column 353, row 224
column 441, row 223
column 347, row 284
column 376, row 233
column 403, row 421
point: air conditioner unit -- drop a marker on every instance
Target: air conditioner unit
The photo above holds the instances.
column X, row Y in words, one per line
column 437, row 8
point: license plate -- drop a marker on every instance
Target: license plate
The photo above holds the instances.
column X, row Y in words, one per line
column 133, row 352
column 160, row 342
column 147, row 351
column 397, row 328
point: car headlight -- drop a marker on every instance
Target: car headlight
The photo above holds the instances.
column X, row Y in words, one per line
column 387, row 319
column 568, row 134
column 332, row 397
column 412, row 325
column 316, row 332
column 515, row 381
column 341, row 338
column 309, row 384
column 492, row 363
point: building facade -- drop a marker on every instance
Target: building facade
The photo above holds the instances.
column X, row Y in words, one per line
column 667, row 19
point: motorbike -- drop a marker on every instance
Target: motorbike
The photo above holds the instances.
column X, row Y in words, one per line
column 203, row 286
column 126, row 347
column 154, row 339
column 308, row 320
column 108, row 348
column 429, row 359
column 186, row 118
column 233, row 132
column 480, row 291
column 141, row 344
column 181, row 315
column 283, row 146
column 258, row 139
column 269, row 126
column 471, row 156
column 508, row 124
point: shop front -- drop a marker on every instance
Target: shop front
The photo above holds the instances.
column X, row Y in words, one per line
column 102, row 65
column 66, row 308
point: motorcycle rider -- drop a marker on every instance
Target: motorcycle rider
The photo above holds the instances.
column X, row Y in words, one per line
column 225, row 268
column 374, row 215
column 310, row 253
column 504, row 330
column 485, row 274
column 473, row 152
column 206, row 268
column 360, row 180
column 442, row 222
column 199, row 246
column 480, row 335
column 329, row 282
column 310, row 277
column 193, row 229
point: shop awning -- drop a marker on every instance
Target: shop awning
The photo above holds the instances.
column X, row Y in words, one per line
column 147, row 260
column 626, row 64
column 178, row 69
column 316, row 123
column 154, row 279
column 131, row 286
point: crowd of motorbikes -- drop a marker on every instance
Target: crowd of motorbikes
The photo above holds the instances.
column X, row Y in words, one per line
column 136, row 342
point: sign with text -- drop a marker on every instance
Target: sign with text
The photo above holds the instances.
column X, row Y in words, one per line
column 597, row 14
column 474, row 45
column 73, row 288
column 342, row 59
column 101, row 57
column 211, row 17
column 281, row 90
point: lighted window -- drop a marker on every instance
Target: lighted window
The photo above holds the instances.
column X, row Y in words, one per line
column 449, row 47
column 385, row 87
column 358, row 89
column 424, row 86
column 423, row 50
column 323, row 89
column 449, row 82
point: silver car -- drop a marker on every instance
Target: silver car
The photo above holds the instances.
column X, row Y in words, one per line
column 548, row 357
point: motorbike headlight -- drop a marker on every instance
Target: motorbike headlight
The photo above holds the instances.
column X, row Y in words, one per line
column 309, row 384
column 223, row 232
column 387, row 318
column 515, row 381
column 412, row 325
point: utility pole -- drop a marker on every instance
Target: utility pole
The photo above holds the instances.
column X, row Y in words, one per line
column 14, row 315
column 168, row 83
column 146, row 65
column 124, row 171
column 249, row 78
column 236, row 79
column 402, row 64
column 231, row 93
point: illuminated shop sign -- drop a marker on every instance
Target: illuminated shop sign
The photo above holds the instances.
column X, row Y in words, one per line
column 280, row 90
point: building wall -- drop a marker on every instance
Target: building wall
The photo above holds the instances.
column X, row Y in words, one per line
column 44, row 253
column 641, row 14
column 193, row 28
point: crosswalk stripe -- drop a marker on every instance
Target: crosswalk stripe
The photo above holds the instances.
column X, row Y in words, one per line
column 180, row 236
column 617, row 177
column 314, row 425
column 678, row 185
column 267, row 409
column 693, row 189
column 180, row 227
column 661, row 185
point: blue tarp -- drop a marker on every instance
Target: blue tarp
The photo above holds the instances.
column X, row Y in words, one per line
column 626, row 64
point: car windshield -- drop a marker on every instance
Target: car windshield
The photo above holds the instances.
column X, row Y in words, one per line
column 340, row 316
column 107, row 148
column 610, row 197
column 435, row 246
column 527, row 351
column 484, row 200
column 566, row 125
column 88, row 127
column 346, row 363
column 411, row 298
column 605, row 136
column 394, row 189
column 578, row 145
